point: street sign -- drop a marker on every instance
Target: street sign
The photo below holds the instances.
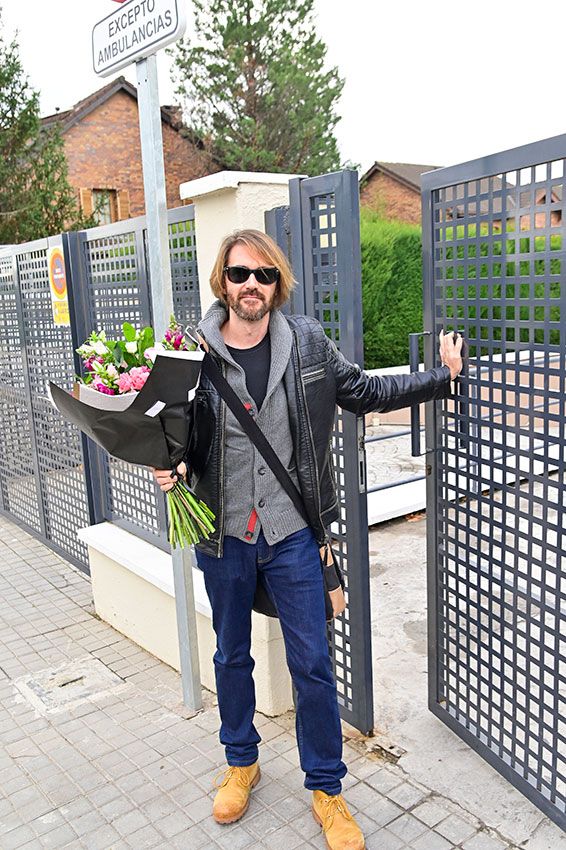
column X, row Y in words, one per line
column 135, row 30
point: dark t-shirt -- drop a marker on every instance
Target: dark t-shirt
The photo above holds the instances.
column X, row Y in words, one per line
column 256, row 363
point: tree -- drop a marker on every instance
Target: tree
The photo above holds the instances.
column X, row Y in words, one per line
column 257, row 91
column 35, row 196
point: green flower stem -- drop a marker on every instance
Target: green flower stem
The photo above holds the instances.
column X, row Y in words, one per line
column 190, row 519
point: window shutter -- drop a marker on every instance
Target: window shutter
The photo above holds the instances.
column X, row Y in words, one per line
column 123, row 204
column 85, row 201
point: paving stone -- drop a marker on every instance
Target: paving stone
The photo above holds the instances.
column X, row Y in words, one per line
column 201, row 809
column 102, row 838
column 89, row 821
column 430, row 812
column 483, row 841
column 431, row 841
column 235, row 838
column 264, row 823
column 116, row 807
column 271, row 792
column 194, row 838
column 305, row 825
column 284, row 838
column 17, row 837
column 384, row 839
column 130, row 822
column 57, row 838
column 407, row 827
column 455, row 828
column 174, row 823
column 406, row 795
column 383, row 780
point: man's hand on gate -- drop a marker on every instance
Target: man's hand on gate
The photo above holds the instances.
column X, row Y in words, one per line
column 451, row 353
column 163, row 476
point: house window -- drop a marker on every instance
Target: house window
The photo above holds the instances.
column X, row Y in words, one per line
column 104, row 206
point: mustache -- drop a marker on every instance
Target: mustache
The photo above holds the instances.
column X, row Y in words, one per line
column 251, row 292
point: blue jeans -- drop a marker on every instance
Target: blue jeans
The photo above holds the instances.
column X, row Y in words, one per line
column 291, row 571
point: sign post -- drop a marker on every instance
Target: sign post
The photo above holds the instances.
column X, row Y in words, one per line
column 134, row 32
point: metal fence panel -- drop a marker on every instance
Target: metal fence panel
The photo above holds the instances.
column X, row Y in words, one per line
column 494, row 254
column 117, row 290
column 18, row 478
column 54, row 480
column 55, row 444
column 325, row 252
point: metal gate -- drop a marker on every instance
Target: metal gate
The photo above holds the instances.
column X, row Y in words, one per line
column 41, row 463
column 321, row 233
column 494, row 266
column 53, row 480
column 111, row 285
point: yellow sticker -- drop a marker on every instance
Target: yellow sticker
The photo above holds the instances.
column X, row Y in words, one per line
column 58, row 286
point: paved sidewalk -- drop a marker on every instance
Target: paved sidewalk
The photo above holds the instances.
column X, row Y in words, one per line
column 97, row 750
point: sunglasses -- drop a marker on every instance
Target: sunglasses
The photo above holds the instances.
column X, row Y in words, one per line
column 263, row 274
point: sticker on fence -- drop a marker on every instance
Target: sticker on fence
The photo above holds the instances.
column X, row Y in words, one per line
column 58, row 287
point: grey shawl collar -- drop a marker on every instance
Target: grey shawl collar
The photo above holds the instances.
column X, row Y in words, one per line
column 280, row 335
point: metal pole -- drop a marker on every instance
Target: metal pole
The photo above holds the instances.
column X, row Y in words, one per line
column 162, row 307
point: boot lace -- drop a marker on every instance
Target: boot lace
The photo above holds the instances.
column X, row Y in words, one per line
column 239, row 774
column 333, row 806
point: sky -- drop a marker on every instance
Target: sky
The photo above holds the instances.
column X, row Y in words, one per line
column 434, row 83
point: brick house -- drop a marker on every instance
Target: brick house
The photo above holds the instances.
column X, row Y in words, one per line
column 102, row 146
column 393, row 189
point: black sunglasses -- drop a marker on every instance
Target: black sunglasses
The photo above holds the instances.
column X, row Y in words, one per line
column 263, row 274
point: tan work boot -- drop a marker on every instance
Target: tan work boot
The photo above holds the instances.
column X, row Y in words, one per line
column 233, row 796
column 340, row 829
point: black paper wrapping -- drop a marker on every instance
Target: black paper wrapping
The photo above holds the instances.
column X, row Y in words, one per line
column 132, row 435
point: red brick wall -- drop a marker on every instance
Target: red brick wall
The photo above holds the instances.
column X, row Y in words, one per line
column 391, row 199
column 103, row 152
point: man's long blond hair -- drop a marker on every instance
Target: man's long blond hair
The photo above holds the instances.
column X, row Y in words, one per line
column 267, row 250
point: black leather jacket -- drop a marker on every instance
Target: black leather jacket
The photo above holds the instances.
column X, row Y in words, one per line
column 317, row 378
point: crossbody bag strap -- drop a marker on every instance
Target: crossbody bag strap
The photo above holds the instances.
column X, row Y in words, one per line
column 254, row 432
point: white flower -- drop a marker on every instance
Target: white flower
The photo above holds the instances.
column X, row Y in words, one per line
column 100, row 348
column 131, row 347
column 111, row 371
column 85, row 349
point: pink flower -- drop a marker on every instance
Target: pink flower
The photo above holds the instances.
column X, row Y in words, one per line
column 139, row 375
column 125, row 383
column 168, row 334
column 177, row 341
column 102, row 388
column 88, row 364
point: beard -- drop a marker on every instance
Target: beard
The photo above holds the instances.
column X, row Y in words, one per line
column 249, row 312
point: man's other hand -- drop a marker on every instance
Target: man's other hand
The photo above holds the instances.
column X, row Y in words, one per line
column 451, row 352
column 163, row 476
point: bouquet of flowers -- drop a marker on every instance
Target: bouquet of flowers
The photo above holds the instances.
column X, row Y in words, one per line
column 134, row 400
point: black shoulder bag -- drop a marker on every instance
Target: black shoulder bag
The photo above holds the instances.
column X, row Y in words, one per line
column 333, row 578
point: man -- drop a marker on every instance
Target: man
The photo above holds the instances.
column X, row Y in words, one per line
column 290, row 376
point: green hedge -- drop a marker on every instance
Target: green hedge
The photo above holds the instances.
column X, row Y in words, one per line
column 502, row 289
column 391, row 289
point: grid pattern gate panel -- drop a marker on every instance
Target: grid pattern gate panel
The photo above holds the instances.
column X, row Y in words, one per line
column 117, row 288
column 19, row 495
column 498, row 258
column 114, row 282
column 323, row 224
column 184, row 270
column 327, row 309
column 49, row 354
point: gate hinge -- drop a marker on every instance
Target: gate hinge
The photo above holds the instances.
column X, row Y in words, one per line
column 361, row 454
